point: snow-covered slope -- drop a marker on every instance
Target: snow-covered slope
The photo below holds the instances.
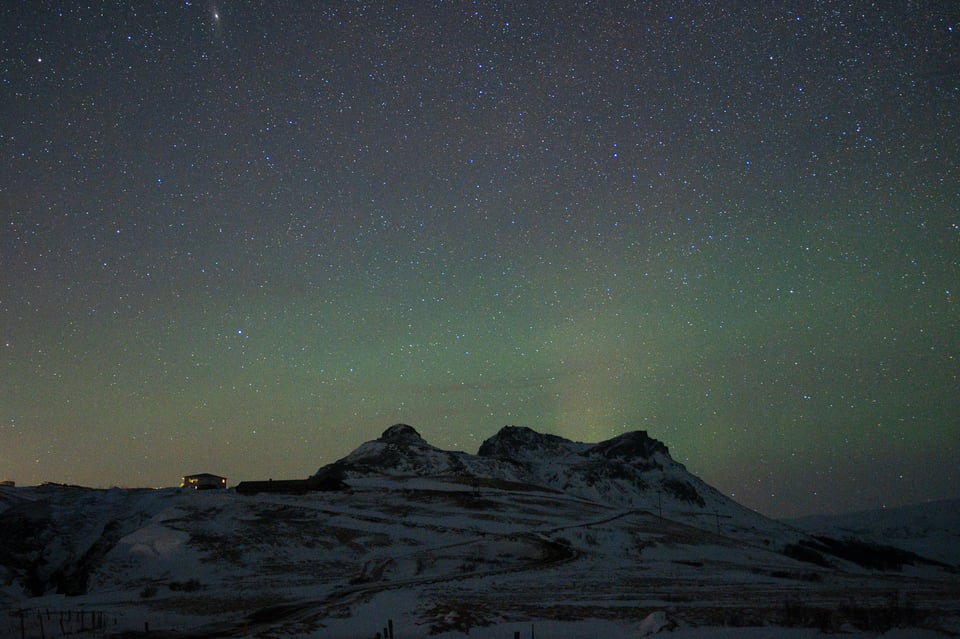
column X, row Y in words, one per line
column 400, row 451
column 10, row 496
column 533, row 531
column 632, row 470
column 930, row 530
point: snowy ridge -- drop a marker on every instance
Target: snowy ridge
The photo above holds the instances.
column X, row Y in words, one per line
column 632, row 470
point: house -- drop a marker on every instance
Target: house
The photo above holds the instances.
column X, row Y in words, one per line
column 203, row 481
column 326, row 480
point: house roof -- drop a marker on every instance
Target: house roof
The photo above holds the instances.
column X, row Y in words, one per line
column 293, row 486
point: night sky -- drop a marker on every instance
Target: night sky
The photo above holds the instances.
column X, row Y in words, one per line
column 245, row 237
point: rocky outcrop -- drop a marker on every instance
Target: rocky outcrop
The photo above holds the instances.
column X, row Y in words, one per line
column 630, row 470
column 519, row 443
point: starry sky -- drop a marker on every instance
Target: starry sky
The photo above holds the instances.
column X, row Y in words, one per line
column 245, row 237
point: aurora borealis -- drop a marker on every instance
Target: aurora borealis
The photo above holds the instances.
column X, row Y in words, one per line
column 243, row 238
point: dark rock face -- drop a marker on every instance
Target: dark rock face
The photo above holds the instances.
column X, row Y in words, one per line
column 25, row 531
column 401, row 434
column 73, row 579
column 683, row 491
column 55, row 542
column 629, row 446
column 520, row 443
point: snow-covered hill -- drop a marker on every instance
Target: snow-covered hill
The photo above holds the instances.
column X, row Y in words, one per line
column 534, row 531
column 629, row 471
column 930, row 530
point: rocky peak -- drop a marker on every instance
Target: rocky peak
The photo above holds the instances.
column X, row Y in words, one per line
column 633, row 445
column 400, row 450
column 624, row 471
column 401, row 434
column 522, row 443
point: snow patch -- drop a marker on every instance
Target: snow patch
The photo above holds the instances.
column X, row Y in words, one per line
column 656, row 622
column 154, row 541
